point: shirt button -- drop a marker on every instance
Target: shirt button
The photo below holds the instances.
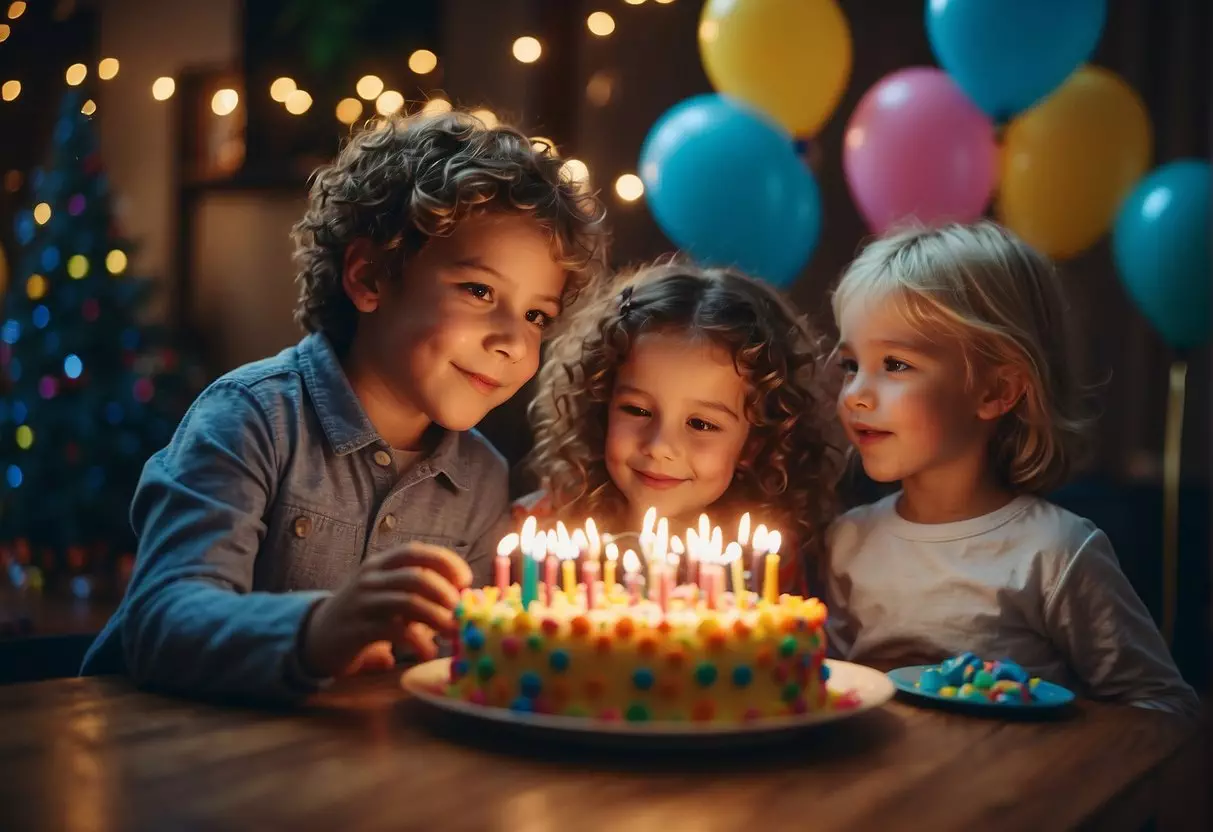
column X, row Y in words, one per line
column 383, row 458
column 303, row 526
column 387, row 523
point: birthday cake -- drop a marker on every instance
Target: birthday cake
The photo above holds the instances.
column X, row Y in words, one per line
column 607, row 650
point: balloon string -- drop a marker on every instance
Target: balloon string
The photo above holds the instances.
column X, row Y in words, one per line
column 1171, row 469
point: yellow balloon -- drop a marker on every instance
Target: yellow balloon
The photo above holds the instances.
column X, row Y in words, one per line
column 1068, row 163
column 791, row 58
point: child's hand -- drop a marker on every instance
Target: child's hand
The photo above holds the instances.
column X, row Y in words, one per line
column 402, row 596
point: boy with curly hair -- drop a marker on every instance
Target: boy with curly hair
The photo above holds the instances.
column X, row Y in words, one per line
column 318, row 507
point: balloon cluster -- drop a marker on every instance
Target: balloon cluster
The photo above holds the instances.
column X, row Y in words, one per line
column 721, row 172
column 1014, row 114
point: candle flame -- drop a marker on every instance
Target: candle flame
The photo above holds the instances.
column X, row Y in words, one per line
column 676, row 546
column 774, row 539
column 692, row 544
column 673, row 560
column 717, row 544
column 567, row 551
column 539, row 547
column 528, row 533
column 731, row 552
column 580, row 541
column 661, row 545
column 591, row 533
column 507, row 544
column 612, row 552
column 562, row 534
column 705, row 527
column 650, row 518
column 631, row 563
column 759, row 540
column 743, row 529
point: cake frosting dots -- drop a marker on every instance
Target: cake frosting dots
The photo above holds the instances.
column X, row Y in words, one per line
column 624, row 659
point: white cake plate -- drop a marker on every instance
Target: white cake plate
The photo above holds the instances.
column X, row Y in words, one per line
column 426, row 683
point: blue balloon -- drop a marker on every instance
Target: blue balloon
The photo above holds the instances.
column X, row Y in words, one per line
column 1160, row 244
column 1009, row 54
column 725, row 184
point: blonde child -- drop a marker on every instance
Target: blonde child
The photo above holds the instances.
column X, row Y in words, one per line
column 959, row 386
column 689, row 390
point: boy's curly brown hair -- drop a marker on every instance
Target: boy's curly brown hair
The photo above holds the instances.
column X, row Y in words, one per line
column 400, row 181
column 790, row 464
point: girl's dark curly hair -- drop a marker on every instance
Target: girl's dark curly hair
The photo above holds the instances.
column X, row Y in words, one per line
column 401, row 181
column 790, row 464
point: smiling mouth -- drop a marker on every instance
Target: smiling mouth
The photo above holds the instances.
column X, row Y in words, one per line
column 483, row 383
column 866, row 435
column 657, row 481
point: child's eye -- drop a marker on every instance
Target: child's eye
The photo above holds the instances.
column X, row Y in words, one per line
column 539, row 318
column 701, row 425
column 849, row 365
column 894, row 365
column 633, row 410
column 478, row 290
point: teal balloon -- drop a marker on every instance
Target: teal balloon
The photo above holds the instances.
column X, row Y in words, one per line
column 726, row 186
column 1160, row 244
column 1009, row 54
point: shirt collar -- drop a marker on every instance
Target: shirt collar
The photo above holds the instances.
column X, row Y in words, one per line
column 344, row 421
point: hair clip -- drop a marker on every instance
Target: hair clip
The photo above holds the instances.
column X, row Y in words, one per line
column 625, row 300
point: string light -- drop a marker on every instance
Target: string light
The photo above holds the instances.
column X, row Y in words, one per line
column 527, row 49
column 423, row 62
column 600, row 23
column 16, row 9
column 298, row 102
column 281, row 88
column 575, row 171
column 115, row 262
column 543, row 144
column 35, row 287
column 348, row 110
column 634, row 2
column 5, row 31
column 388, row 102
column 107, row 68
column 89, row 107
column 163, row 88
column 369, row 87
column 487, row 117
column 435, row 106
column 10, row 90
column 629, row 187
column 224, row 101
column 25, row 437
column 42, row 213
column 76, row 74
column 600, row 89
column 77, row 266
column 664, row 2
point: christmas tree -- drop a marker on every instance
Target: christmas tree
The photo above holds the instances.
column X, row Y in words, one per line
column 88, row 389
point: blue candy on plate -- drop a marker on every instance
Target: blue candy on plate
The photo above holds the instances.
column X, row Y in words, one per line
column 1007, row 669
column 932, row 680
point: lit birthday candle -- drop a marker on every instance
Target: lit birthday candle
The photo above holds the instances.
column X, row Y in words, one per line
column 589, row 574
column 608, row 572
column 530, row 572
column 757, row 550
column 545, row 542
column 732, row 556
column 743, row 530
column 568, row 565
column 505, row 548
column 581, row 545
column 632, row 579
column 657, row 554
column 669, row 578
column 770, row 579
column 593, row 539
column 677, row 550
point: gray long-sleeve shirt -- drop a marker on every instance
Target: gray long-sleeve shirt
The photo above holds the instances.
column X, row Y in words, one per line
column 1030, row 582
column 272, row 491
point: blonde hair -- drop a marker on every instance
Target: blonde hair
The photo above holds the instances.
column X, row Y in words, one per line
column 1001, row 300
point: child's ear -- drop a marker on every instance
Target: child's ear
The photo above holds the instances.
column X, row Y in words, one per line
column 1005, row 390
column 360, row 276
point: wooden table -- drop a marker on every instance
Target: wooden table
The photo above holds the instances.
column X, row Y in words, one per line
column 95, row 754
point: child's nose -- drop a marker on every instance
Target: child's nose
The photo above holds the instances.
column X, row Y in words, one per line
column 858, row 393
column 507, row 339
column 657, row 441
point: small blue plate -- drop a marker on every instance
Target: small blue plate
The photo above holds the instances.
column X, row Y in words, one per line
column 1046, row 697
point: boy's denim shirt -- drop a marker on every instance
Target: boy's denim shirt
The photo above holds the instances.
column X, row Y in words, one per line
column 271, row 492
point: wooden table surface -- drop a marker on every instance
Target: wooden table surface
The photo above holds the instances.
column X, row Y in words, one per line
column 95, row 754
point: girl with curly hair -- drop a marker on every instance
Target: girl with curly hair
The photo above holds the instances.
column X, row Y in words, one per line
column 959, row 385
column 689, row 390
column 316, row 508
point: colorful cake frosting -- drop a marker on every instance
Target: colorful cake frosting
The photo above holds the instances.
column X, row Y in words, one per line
column 623, row 658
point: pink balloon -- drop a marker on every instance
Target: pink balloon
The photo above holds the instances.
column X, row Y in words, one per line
column 917, row 148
